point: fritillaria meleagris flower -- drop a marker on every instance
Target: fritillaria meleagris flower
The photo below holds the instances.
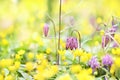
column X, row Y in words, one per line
column 114, row 27
column 94, row 64
column 45, row 30
column 107, row 60
column 105, row 40
column 111, row 31
column 71, row 43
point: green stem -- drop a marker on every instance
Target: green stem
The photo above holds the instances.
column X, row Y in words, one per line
column 59, row 31
column 78, row 39
column 54, row 33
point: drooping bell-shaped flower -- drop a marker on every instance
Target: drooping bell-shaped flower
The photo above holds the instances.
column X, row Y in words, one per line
column 46, row 30
column 105, row 40
column 107, row 60
column 110, row 33
column 94, row 64
column 114, row 27
column 71, row 43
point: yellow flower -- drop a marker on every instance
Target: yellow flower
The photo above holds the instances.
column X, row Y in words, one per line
column 21, row 52
column 89, row 55
column 54, row 68
column 9, row 77
column 85, row 57
column 9, row 62
column 1, row 77
column 117, row 37
column 61, row 52
column 38, row 77
column 4, row 42
column 12, row 68
column 114, row 51
column 30, row 55
column 17, row 64
column 75, row 68
column 112, row 69
column 99, row 20
column 84, row 75
column 65, row 63
column 44, row 62
column 89, row 71
column 40, row 56
column 40, row 68
column 65, row 77
column 78, row 52
column 117, row 61
column 63, row 44
column 48, row 50
column 2, row 72
column 17, row 56
column 2, row 63
column 102, row 32
column 118, row 51
column 48, row 73
column 63, row 58
column 29, row 66
column 6, row 62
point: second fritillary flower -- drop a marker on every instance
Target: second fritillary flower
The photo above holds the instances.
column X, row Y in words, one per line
column 71, row 43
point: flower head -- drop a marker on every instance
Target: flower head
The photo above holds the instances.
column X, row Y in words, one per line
column 114, row 25
column 45, row 30
column 71, row 43
column 94, row 63
column 113, row 29
column 107, row 60
column 29, row 66
column 105, row 40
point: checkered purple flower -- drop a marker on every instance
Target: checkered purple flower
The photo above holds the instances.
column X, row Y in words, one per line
column 105, row 40
column 111, row 31
column 45, row 30
column 71, row 43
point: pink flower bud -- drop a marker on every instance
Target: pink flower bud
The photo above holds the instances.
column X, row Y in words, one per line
column 45, row 30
